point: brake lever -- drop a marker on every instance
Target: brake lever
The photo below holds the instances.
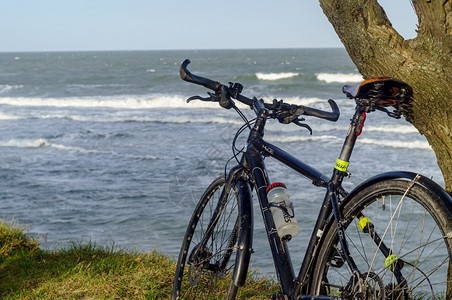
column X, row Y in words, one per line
column 298, row 122
column 211, row 98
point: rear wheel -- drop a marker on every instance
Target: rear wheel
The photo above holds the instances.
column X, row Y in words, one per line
column 207, row 257
column 398, row 234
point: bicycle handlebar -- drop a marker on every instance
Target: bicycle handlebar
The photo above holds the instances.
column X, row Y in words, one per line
column 330, row 116
column 186, row 75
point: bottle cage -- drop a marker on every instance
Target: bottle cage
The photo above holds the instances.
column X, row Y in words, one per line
column 380, row 93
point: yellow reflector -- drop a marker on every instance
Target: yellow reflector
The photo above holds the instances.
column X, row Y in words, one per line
column 363, row 223
column 390, row 260
column 341, row 165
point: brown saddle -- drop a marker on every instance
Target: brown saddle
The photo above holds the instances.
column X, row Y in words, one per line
column 386, row 91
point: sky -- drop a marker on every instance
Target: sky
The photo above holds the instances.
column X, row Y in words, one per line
column 87, row 25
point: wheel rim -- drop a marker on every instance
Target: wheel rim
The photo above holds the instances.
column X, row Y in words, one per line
column 209, row 261
column 418, row 249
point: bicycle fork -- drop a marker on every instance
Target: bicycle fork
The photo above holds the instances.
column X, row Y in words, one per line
column 244, row 224
column 245, row 239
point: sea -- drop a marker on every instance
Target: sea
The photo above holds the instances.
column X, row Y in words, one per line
column 102, row 147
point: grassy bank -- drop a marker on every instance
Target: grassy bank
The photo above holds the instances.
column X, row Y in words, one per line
column 87, row 271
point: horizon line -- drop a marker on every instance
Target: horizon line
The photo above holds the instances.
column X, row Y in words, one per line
column 187, row 49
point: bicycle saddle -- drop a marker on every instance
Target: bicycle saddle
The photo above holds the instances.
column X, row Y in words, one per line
column 385, row 91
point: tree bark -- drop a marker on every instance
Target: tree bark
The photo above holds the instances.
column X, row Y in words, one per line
column 425, row 62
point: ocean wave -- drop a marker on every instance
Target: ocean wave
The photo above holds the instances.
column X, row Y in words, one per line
column 41, row 143
column 398, row 144
column 107, row 102
column 4, row 88
column 338, row 128
column 124, row 109
column 119, row 119
column 133, row 102
column 178, row 120
column 72, row 148
column 292, row 139
column 112, row 153
column 422, row 145
column 395, row 129
column 308, row 101
column 339, row 77
column 276, row 76
column 403, row 129
column 318, row 127
column 304, row 100
column 25, row 143
column 6, row 117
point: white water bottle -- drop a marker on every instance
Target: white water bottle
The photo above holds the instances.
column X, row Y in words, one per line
column 282, row 211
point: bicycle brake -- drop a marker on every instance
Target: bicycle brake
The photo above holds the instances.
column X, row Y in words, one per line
column 298, row 122
column 212, row 98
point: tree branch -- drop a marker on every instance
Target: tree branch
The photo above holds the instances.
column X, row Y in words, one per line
column 367, row 33
column 435, row 17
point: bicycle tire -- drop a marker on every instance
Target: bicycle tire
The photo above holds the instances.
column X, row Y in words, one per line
column 205, row 271
column 412, row 223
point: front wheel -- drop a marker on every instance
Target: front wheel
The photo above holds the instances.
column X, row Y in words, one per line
column 398, row 234
column 207, row 256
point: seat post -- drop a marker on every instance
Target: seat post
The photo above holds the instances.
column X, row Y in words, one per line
column 355, row 129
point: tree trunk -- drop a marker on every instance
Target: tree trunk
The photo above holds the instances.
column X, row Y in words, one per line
column 425, row 62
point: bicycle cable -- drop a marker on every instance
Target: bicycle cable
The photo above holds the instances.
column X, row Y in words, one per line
column 236, row 151
column 241, row 115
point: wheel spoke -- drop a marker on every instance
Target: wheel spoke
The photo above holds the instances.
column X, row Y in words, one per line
column 410, row 224
column 209, row 247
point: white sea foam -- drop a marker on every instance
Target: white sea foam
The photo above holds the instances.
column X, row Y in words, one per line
column 397, row 144
column 72, row 148
column 395, row 129
column 339, row 77
column 178, row 120
column 421, row 145
column 40, row 143
column 275, row 76
column 25, row 143
column 6, row 88
column 300, row 138
column 127, row 118
column 94, row 151
column 304, row 100
column 7, row 117
column 120, row 103
column 131, row 102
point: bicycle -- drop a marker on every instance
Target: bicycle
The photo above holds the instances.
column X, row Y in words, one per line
column 389, row 238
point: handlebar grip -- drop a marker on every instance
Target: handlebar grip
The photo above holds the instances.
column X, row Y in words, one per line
column 187, row 76
column 330, row 116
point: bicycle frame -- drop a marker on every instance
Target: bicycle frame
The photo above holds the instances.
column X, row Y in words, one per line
column 252, row 162
column 250, row 174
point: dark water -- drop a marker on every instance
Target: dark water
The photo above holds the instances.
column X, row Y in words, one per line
column 101, row 146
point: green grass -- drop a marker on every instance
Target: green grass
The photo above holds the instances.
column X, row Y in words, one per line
column 89, row 271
